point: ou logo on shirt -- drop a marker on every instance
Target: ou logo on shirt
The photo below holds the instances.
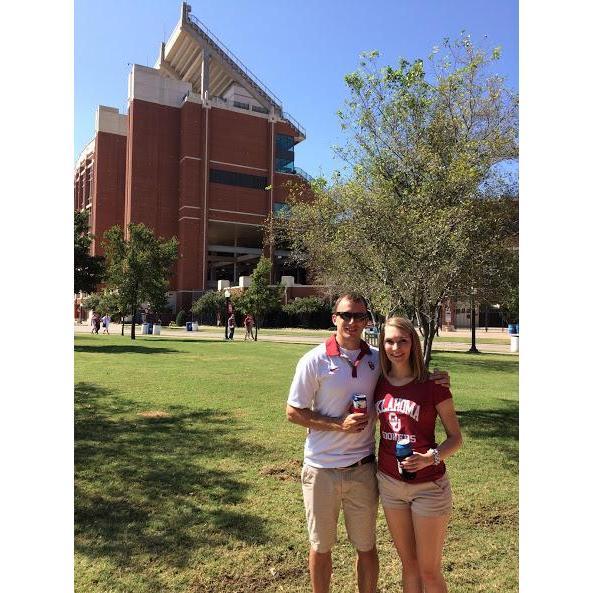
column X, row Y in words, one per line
column 394, row 422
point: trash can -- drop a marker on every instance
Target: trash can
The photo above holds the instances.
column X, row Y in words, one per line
column 145, row 328
column 514, row 342
column 194, row 326
column 188, row 326
column 150, row 328
column 156, row 329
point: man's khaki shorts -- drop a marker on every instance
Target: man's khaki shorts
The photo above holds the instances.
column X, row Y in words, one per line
column 429, row 499
column 353, row 489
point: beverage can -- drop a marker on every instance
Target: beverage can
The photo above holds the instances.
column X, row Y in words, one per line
column 359, row 404
column 403, row 449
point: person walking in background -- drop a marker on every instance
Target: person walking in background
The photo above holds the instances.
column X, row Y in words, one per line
column 248, row 323
column 339, row 469
column 95, row 323
column 106, row 320
column 231, row 326
column 415, row 491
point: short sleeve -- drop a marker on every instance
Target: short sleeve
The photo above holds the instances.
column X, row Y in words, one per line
column 304, row 384
column 440, row 393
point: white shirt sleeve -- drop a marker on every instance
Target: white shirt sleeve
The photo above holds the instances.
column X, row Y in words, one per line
column 304, row 384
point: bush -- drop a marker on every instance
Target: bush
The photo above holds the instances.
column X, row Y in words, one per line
column 181, row 318
column 207, row 305
column 309, row 312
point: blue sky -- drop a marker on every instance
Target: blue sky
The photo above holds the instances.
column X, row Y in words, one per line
column 301, row 51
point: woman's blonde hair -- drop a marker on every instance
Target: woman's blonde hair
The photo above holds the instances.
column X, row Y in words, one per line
column 416, row 360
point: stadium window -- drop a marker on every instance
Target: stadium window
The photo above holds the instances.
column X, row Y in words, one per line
column 238, row 179
column 284, row 153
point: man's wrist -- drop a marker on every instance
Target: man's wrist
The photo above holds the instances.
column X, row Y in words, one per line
column 339, row 423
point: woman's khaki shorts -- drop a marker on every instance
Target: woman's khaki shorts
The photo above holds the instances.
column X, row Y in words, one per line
column 353, row 489
column 428, row 499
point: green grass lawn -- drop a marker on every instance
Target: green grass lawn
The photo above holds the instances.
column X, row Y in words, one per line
column 187, row 473
column 325, row 333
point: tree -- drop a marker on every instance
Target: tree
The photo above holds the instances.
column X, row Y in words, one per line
column 88, row 269
column 138, row 268
column 308, row 308
column 107, row 301
column 92, row 301
column 208, row 305
column 260, row 298
column 508, row 296
column 429, row 209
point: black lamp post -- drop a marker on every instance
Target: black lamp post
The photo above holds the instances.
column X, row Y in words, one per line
column 473, row 349
column 227, row 314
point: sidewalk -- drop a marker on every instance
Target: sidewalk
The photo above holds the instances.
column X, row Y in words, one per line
column 210, row 335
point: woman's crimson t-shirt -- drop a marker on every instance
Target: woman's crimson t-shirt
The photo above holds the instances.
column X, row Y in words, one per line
column 408, row 412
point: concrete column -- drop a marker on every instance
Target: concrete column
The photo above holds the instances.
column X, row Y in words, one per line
column 235, row 277
column 206, row 164
column 205, row 81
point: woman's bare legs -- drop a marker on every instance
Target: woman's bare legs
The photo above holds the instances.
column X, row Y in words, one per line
column 430, row 538
column 401, row 528
column 419, row 543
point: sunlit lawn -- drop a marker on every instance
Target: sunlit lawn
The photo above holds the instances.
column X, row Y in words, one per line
column 187, row 473
column 498, row 336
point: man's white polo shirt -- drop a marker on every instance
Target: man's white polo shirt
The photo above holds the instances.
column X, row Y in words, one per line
column 325, row 382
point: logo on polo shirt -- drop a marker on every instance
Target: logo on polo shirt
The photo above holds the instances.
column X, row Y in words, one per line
column 372, row 365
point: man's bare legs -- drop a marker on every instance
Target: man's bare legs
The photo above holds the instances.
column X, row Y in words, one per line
column 367, row 570
column 320, row 569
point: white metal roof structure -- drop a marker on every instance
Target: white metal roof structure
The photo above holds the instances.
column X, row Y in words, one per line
column 195, row 55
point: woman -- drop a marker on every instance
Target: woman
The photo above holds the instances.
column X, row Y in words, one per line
column 416, row 509
column 248, row 323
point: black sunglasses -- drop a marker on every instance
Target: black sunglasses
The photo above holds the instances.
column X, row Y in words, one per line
column 347, row 316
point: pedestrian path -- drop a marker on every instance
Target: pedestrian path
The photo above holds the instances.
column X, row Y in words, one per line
column 210, row 335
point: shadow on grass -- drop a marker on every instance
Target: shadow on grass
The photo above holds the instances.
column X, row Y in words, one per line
column 500, row 425
column 124, row 349
column 155, row 487
column 481, row 362
column 181, row 341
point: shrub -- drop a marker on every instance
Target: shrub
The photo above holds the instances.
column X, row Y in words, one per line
column 207, row 305
column 310, row 312
column 181, row 318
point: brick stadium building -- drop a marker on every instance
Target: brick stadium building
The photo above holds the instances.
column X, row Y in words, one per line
column 203, row 154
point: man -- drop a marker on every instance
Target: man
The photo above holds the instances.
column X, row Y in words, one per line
column 339, row 468
column 231, row 326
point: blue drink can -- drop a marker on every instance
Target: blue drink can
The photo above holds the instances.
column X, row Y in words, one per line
column 403, row 449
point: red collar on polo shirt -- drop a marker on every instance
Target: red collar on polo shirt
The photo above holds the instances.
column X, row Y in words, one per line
column 332, row 348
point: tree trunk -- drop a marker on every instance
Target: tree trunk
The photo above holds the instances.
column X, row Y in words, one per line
column 430, row 326
column 255, row 324
column 133, row 333
column 123, row 322
column 428, row 344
